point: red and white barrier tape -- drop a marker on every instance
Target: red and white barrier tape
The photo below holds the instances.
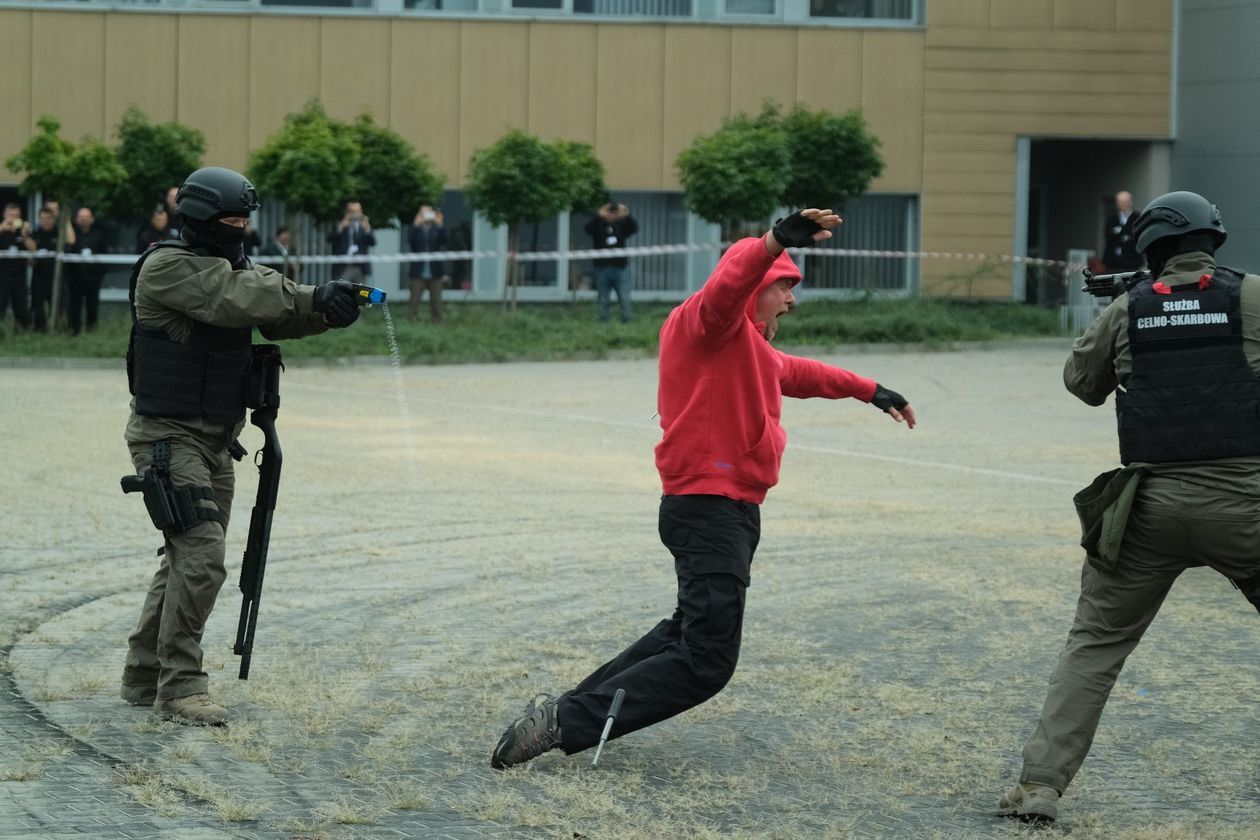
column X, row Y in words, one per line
column 539, row 256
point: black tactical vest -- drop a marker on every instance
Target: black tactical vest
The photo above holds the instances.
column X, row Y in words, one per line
column 1192, row 395
column 203, row 377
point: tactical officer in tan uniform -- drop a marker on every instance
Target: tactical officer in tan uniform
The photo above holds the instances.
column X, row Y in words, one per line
column 195, row 303
column 1181, row 352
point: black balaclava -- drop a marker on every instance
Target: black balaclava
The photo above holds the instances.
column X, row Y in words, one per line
column 216, row 239
column 1162, row 250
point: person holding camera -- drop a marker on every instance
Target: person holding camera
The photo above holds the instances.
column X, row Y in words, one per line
column 720, row 397
column 427, row 235
column 195, row 304
column 15, row 242
column 83, row 279
column 1181, row 352
column 43, row 268
column 353, row 237
column 610, row 229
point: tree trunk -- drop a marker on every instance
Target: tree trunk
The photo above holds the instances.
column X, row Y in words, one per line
column 513, row 267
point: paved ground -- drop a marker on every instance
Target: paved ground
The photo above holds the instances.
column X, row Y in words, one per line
column 438, row 559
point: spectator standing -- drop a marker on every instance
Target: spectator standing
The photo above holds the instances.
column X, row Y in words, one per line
column 45, row 239
column 174, row 220
column 282, row 246
column 158, row 229
column 1119, row 248
column 610, row 229
column 427, row 235
column 15, row 240
column 352, row 238
column 83, row 280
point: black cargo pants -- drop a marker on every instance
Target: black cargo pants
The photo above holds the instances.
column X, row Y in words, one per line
column 689, row 657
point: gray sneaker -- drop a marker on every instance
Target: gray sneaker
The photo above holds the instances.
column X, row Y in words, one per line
column 1030, row 802
column 529, row 736
column 193, row 710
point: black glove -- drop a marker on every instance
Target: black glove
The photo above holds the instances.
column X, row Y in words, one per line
column 337, row 301
column 885, row 399
column 796, row 231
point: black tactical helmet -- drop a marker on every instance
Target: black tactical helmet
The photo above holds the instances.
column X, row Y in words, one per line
column 214, row 191
column 1176, row 214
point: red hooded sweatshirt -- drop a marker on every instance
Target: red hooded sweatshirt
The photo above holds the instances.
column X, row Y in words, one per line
column 722, row 383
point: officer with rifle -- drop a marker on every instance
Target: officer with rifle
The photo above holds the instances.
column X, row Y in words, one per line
column 193, row 371
column 1179, row 346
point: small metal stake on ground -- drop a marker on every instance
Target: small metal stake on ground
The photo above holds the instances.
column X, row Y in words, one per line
column 612, row 713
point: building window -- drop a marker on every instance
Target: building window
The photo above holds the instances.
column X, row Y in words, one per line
column 457, row 218
column 633, row 8
column 662, row 220
column 873, row 223
column 544, row 236
column 882, row 9
column 331, row 4
column 751, row 7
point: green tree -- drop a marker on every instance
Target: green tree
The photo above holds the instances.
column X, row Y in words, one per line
column 832, row 158
column 737, row 173
column 156, row 157
column 522, row 178
column 391, row 179
column 65, row 171
column 586, row 176
column 751, row 166
column 309, row 164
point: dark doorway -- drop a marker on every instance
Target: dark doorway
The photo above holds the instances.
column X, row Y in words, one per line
column 1071, row 189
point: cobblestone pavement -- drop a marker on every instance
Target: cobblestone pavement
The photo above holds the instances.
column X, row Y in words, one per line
column 442, row 552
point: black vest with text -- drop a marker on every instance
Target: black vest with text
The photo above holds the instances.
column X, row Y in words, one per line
column 1191, row 396
column 203, row 377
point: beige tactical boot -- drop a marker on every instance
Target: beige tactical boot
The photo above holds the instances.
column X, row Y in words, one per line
column 1030, row 802
column 193, row 710
column 138, row 695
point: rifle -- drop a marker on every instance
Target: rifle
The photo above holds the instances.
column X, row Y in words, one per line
column 263, row 397
column 1112, row 285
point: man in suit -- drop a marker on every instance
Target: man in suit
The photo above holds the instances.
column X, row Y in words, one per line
column 1119, row 251
column 282, row 246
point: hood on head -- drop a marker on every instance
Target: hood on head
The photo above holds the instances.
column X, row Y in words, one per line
column 782, row 267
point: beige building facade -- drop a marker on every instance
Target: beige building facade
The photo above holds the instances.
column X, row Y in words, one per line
column 955, row 97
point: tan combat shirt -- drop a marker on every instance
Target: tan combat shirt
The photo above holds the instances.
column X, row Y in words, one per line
column 176, row 288
column 1101, row 361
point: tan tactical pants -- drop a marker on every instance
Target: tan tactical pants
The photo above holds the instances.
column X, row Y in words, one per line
column 165, row 649
column 1175, row 525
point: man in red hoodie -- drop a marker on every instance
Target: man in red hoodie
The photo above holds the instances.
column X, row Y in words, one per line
column 721, row 391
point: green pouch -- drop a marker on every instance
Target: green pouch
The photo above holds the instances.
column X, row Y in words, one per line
column 1103, row 508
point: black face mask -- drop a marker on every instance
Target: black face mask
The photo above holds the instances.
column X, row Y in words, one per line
column 215, row 238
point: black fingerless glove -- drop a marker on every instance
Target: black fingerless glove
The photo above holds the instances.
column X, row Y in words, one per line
column 796, row 231
column 336, row 301
column 885, row 399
